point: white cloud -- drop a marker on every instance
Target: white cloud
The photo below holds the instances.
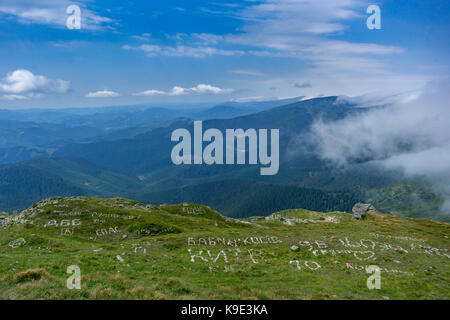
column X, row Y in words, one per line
column 292, row 29
column 13, row 97
column 409, row 134
column 305, row 16
column 51, row 12
column 22, row 81
column 305, row 30
column 102, row 94
column 374, row 99
column 182, row 51
column 142, row 37
column 250, row 99
column 247, row 72
column 179, row 91
column 208, row 38
column 434, row 161
column 208, row 89
column 149, row 93
column 309, row 97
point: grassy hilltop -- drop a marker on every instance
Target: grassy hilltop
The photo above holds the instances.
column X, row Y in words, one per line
column 127, row 250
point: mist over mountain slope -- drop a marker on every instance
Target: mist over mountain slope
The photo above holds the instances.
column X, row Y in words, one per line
column 410, row 135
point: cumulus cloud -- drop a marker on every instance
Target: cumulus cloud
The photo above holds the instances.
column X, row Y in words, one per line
column 102, row 94
column 410, row 135
column 179, row 91
column 22, row 82
column 150, row 93
column 51, row 12
column 209, row 89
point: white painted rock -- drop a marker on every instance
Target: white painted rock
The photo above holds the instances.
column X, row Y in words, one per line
column 289, row 222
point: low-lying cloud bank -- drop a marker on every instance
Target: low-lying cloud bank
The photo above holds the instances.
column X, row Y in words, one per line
column 411, row 135
column 102, row 94
column 180, row 91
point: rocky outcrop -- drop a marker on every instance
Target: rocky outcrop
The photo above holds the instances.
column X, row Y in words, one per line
column 360, row 210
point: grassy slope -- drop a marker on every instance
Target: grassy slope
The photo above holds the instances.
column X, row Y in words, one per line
column 37, row 269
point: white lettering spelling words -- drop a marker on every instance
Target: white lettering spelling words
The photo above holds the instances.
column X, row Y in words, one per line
column 213, row 153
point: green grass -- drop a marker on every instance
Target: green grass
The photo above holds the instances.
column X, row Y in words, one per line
column 153, row 243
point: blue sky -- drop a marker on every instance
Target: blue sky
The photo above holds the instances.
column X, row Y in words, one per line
column 133, row 52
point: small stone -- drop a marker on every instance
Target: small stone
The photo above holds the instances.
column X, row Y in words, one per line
column 295, row 248
column 119, row 258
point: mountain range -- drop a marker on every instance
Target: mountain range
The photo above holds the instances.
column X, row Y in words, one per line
column 115, row 151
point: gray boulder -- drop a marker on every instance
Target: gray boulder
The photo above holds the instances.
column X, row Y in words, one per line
column 360, row 210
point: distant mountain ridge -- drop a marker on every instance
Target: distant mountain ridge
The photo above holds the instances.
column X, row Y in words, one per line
column 24, row 132
column 135, row 162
